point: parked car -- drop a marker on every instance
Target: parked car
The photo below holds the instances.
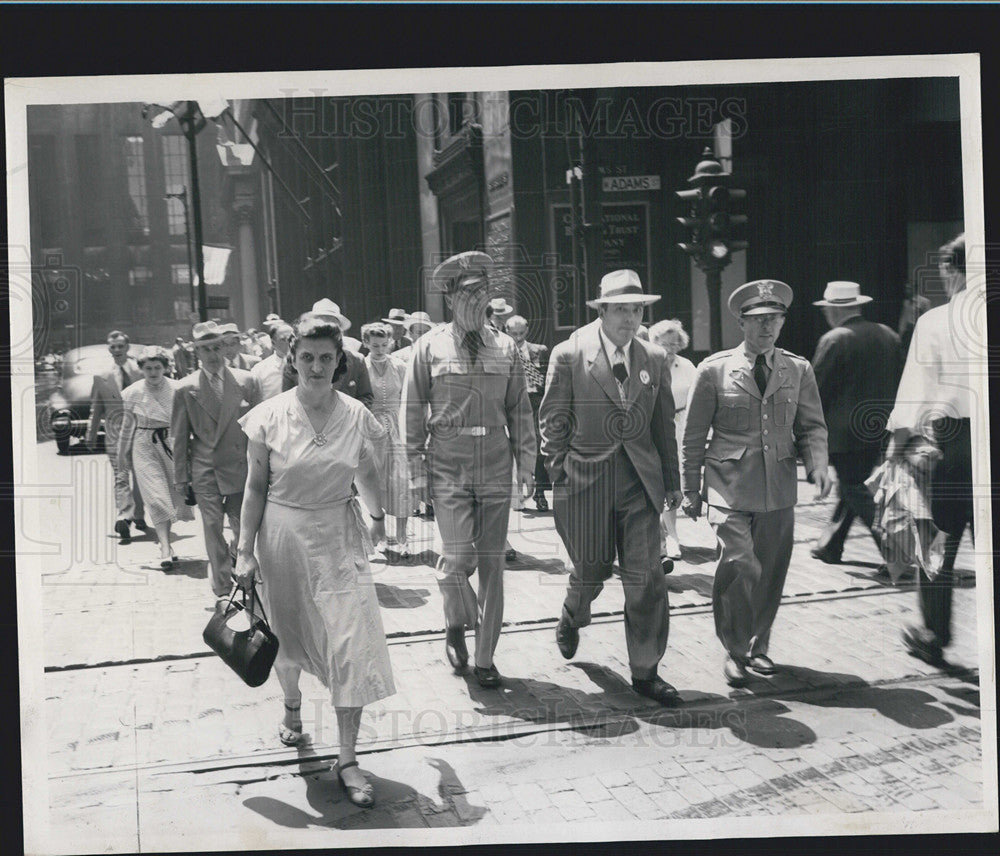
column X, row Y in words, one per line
column 66, row 414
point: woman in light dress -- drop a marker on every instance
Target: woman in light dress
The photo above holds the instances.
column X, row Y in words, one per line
column 306, row 446
column 145, row 447
column 670, row 336
column 388, row 379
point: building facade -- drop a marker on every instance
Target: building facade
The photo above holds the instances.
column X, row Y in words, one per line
column 857, row 180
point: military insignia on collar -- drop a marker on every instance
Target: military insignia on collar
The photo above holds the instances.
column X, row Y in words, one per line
column 644, row 376
column 765, row 290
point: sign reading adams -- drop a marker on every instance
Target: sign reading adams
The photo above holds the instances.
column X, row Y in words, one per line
column 619, row 183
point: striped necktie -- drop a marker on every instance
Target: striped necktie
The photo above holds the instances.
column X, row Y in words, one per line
column 620, row 372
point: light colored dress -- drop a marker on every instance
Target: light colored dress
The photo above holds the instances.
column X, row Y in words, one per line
column 146, row 429
column 682, row 374
column 387, row 380
column 317, row 584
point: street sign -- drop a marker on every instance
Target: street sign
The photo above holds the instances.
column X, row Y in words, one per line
column 620, row 183
column 216, row 301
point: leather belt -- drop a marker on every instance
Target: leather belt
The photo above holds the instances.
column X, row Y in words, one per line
column 478, row 430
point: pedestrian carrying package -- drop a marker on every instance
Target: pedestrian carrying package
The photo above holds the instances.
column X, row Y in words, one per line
column 249, row 652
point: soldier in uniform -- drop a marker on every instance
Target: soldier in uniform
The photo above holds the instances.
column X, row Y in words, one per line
column 763, row 406
column 469, row 375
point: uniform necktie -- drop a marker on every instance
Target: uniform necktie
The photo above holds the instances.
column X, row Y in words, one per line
column 760, row 372
column 125, row 377
column 472, row 341
column 215, row 381
column 621, row 373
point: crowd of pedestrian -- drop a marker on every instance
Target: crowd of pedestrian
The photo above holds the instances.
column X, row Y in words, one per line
column 294, row 431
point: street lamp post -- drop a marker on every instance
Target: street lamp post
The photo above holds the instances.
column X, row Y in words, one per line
column 182, row 197
column 189, row 116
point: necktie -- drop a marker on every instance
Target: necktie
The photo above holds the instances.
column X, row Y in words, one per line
column 760, row 372
column 472, row 342
column 621, row 373
column 125, row 377
column 215, row 381
column 532, row 376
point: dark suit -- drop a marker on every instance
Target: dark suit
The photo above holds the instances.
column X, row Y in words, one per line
column 106, row 404
column 355, row 382
column 857, row 366
column 611, row 466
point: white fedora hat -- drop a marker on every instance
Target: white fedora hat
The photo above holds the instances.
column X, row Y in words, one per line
column 622, row 286
column 842, row 293
column 328, row 309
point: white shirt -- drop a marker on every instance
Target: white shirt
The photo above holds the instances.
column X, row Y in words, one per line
column 936, row 379
column 268, row 373
column 610, row 348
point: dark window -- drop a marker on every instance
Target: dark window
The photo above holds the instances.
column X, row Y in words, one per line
column 456, row 111
column 43, row 177
column 175, row 180
column 90, row 181
column 137, row 216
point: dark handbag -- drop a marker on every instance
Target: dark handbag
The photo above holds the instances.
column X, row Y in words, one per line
column 250, row 653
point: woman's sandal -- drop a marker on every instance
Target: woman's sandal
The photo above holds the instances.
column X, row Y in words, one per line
column 363, row 796
column 289, row 736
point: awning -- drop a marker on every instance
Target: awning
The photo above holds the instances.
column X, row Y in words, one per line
column 216, row 259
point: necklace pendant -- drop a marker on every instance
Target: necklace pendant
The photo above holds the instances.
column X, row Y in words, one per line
column 320, row 439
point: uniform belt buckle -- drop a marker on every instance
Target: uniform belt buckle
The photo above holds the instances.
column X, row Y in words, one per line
column 477, row 431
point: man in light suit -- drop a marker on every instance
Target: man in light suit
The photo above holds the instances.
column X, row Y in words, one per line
column 857, row 366
column 763, row 406
column 235, row 358
column 210, row 449
column 607, row 427
column 106, row 404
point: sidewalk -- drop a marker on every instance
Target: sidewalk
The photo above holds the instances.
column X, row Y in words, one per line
column 155, row 745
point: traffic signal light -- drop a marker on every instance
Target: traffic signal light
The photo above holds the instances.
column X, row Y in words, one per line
column 713, row 225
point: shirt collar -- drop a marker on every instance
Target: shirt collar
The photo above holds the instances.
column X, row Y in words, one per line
column 609, row 349
column 751, row 358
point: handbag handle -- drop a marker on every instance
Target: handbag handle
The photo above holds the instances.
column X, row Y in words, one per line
column 253, row 597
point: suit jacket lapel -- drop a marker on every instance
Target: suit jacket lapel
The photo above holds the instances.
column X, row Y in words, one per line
column 597, row 363
column 232, row 395
column 205, row 396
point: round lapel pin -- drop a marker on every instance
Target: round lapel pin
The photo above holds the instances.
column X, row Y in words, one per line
column 644, row 376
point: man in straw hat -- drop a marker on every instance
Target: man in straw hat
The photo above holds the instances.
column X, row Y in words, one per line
column 763, row 407
column 468, row 375
column 397, row 318
column 857, row 366
column 235, row 358
column 210, row 449
column 607, row 427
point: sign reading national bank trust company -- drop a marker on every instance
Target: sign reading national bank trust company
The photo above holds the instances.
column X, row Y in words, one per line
column 613, row 183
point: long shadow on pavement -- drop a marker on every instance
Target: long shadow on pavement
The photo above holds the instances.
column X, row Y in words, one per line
column 396, row 804
column 394, row 597
column 909, row 707
column 528, row 562
column 763, row 724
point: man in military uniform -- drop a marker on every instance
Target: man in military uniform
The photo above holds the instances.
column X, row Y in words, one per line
column 763, row 406
column 469, row 375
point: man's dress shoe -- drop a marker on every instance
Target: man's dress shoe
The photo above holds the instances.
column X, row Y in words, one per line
column 824, row 556
column 567, row 638
column 454, row 647
column 736, row 675
column 121, row 527
column 761, row 664
column 488, row 676
column 923, row 645
column 657, row 689
column 666, row 564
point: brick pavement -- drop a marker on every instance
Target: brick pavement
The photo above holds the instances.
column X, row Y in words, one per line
column 104, row 603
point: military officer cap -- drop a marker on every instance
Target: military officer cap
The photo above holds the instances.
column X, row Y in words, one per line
column 760, row 297
column 449, row 274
